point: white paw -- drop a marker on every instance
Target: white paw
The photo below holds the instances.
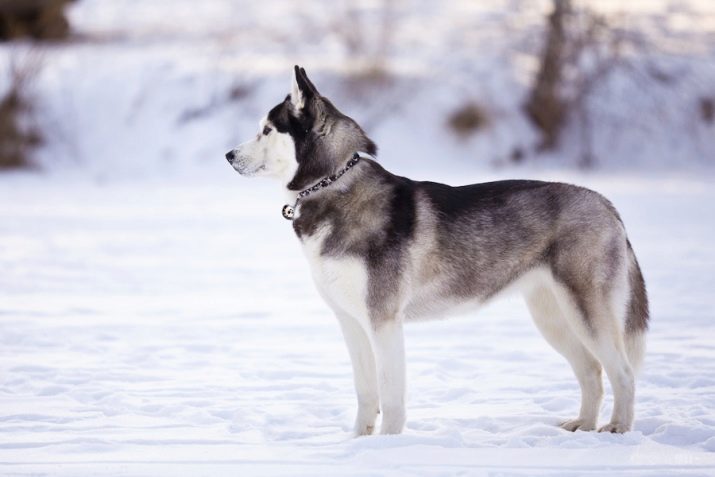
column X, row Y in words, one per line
column 615, row 427
column 365, row 421
column 578, row 425
column 393, row 421
column 363, row 429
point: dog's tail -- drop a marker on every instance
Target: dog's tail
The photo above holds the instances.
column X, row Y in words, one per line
column 637, row 314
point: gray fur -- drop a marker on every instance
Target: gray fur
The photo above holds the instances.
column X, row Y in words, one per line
column 482, row 248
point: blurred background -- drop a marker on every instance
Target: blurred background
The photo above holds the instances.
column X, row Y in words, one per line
column 123, row 89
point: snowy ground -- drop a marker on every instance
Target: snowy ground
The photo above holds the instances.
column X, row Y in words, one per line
column 171, row 328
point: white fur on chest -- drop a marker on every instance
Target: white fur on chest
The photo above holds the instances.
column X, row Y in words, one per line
column 341, row 281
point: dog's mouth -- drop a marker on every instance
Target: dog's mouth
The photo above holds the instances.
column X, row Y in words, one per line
column 245, row 169
column 241, row 165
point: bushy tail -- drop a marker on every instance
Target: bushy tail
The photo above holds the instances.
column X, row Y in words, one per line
column 637, row 313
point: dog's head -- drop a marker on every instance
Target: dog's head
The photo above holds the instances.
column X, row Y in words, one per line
column 301, row 140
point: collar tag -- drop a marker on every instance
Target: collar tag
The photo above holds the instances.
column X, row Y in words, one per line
column 288, row 212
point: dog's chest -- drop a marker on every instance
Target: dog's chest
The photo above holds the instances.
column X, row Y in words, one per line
column 341, row 280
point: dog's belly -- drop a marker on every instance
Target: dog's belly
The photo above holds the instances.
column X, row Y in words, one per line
column 424, row 306
column 437, row 300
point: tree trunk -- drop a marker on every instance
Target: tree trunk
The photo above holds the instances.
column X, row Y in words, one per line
column 38, row 19
column 545, row 107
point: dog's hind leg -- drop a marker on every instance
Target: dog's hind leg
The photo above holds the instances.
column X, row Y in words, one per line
column 602, row 334
column 609, row 347
column 611, row 352
column 553, row 325
column 364, row 374
column 389, row 348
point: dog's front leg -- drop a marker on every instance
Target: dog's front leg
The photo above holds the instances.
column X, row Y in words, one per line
column 364, row 374
column 390, row 355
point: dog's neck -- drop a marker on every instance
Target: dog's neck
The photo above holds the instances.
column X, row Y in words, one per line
column 289, row 209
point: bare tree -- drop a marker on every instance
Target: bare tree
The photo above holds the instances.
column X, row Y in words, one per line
column 19, row 134
column 545, row 106
column 38, row 19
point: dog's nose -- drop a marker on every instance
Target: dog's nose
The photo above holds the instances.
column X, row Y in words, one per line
column 230, row 156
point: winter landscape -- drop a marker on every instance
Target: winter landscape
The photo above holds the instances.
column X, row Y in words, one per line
column 157, row 315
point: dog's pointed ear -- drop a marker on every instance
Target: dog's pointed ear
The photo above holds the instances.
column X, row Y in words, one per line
column 302, row 90
column 296, row 95
column 310, row 84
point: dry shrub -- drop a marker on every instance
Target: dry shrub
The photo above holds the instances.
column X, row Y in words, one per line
column 237, row 92
column 468, row 119
column 707, row 109
column 581, row 49
column 366, row 31
column 37, row 19
column 364, row 79
column 546, row 106
column 18, row 133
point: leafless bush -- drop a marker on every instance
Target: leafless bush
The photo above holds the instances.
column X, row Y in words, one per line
column 365, row 32
column 582, row 48
column 546, row 106
column 707, row 109
column 19, row 134
column 362, row 81
column 238, row 91
column 468, row 119
column 363, row 29
column 38, row 19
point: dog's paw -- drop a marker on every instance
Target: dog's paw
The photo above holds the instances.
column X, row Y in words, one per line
column 393, row 421
column 578, row 425
column 615, row 428
column 365, row 421
column 362, row 429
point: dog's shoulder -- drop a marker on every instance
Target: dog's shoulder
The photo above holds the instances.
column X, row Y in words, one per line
column 377, row 210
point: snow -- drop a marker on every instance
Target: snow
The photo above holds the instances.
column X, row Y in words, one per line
column 169, row 327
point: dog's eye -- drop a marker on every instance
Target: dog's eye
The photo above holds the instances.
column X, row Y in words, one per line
column 266, row 130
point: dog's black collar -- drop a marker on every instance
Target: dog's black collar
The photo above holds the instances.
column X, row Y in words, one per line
column 289, row 210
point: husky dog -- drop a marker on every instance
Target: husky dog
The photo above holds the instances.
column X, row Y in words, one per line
column 385, row 250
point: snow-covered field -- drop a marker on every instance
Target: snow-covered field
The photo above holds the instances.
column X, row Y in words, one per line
column 171, row 328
